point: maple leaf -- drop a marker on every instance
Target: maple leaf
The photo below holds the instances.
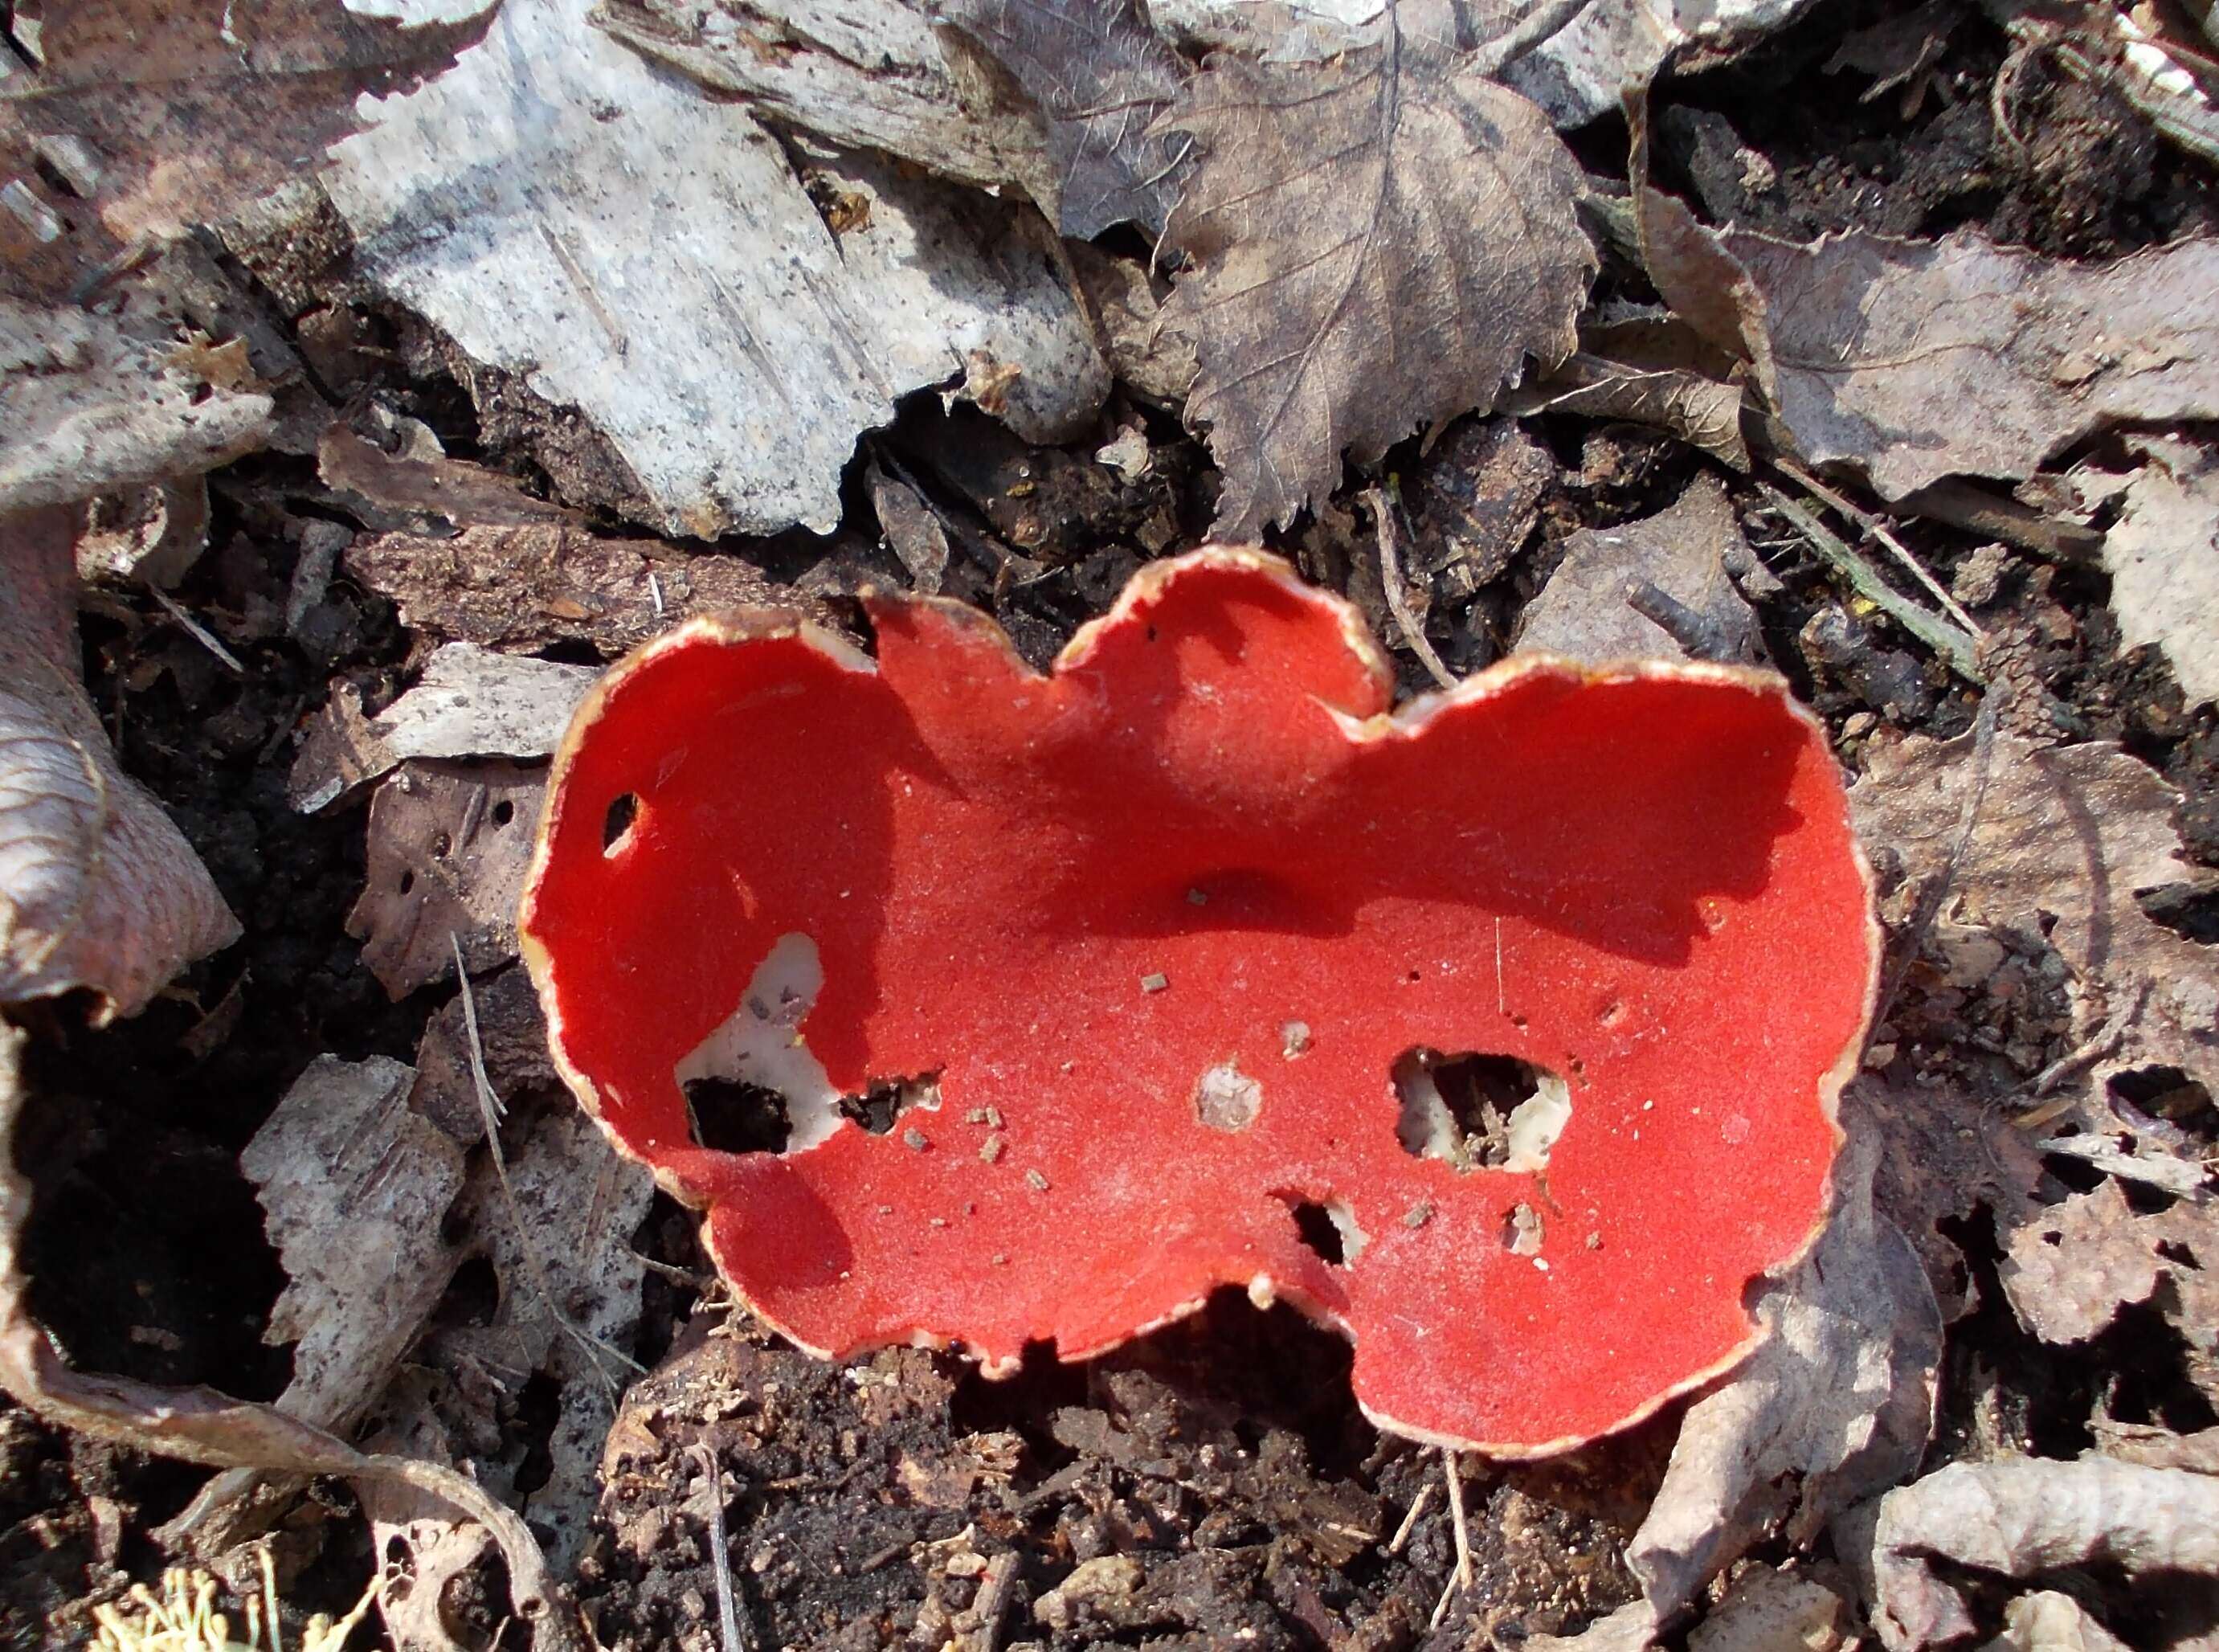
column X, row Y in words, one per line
column 1375, row 245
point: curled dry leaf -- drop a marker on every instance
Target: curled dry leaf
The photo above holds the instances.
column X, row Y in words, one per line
column 92, row 403
column 729, row 343
column 98, row 890
column 2023, row 1517
column 2064, row 838
column 1214, row 907
column 2163, row 558
column 417, row 488
column 1099, row 76
column 1834, row 1404
column 1375, row 247
column 160, row 113
column 202, row 1426
column 446, row 849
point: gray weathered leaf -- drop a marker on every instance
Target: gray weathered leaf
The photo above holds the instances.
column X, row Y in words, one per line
column 1375, row 248
column 2022, row 1517
column 2163, row 558
column 1099, row 76
column 1834, row 1404
column 97, row 887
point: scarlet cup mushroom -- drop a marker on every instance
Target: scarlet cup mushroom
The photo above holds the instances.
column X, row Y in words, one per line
column 1175, row 954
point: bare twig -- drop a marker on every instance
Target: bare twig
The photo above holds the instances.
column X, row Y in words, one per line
column 1697, row 635
column 199, row 633
column 732, row 1636
column 1878, row 532
column 1532, row 31
column 1960, row 650
column 990, row 1606
column 1460, row 1579
column 490, row 1109
column 1398, row 599
column 1417, row 1510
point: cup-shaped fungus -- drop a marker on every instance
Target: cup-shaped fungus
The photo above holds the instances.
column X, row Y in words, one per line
column 1502, row 1033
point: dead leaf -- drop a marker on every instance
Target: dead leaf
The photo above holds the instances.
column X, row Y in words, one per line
column 726, row 343
column 1374, row 248
column 161, row 113
column 151, row 534
column 557, row 1229
column 2071, row 1266
column 2050, row 1621
column 447, row 847
column 519, row 589
column 1121, row 294
column 98, row 890
column 1834, row 1404
column 1099, row 76
column 1769, row 1611
column 510, row 1042
column 1704, row 413
column 89, row 404
column 424, row 1548
column 2064, row 838
column 2022, row 1517
column 1584, row 611
column 2163, row 558
column 202, row 1425
column 470, row 702
column 909, row 527
column 358, row 1187
column 1915, row 361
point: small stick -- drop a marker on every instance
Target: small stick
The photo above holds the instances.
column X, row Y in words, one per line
column 990, row 1606
column 1700, row 637
column 1960, row 650
column 1460, row 1579
column 1877, row 530
column 199, row 632
column 1398, row 601
column 1410, row 1520
column 728, row 1616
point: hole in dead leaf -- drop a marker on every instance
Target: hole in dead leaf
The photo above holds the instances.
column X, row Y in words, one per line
column 503, row 812
column 1477, row 1111
column 2169, row 1094
column 732, row 1116
column 887, row 1101
column 617, row 822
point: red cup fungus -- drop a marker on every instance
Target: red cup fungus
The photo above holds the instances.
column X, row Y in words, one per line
column 1501, row 1032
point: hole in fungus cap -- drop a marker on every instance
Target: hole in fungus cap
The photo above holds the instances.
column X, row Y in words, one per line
column 1155, row 970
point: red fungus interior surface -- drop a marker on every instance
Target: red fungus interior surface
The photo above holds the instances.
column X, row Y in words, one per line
column 1202, row 844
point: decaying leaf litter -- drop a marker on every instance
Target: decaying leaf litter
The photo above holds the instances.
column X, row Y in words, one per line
column 1892, row 378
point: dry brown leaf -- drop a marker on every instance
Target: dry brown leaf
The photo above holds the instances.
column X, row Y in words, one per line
column 1473, row 500
column 1769, row 1611
column 1375, row 247
column 417, row 488
column 2071, row 1266
column 2064, row 837
column 97, row 888
column 1835, row 1404
column 1121, row 294
column 1683, row 551
column 519, row 589
column 2163, row 558
column 1704, row 413
column 357, row 1187
column 152, row 534
column 2022, row 1517
column 447, row 847
column 92, row 403
column 1099, row 76
column 1915, row 361
column 202, row 1426
column 165, row 113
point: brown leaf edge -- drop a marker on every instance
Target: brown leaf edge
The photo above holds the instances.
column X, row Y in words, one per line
column 201, row 1425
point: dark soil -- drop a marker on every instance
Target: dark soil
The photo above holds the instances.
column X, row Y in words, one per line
column 1215, row 1484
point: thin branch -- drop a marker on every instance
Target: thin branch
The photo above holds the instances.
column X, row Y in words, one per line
column 1398, row 599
